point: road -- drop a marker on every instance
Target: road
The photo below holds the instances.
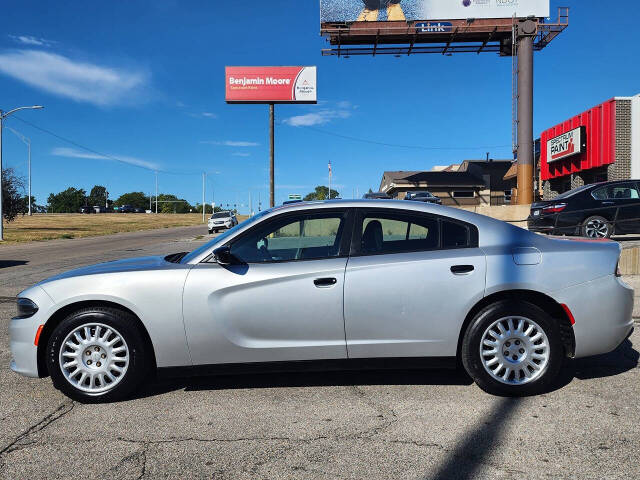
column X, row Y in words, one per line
column 394, row 424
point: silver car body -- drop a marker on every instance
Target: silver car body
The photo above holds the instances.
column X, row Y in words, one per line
column 390, row 305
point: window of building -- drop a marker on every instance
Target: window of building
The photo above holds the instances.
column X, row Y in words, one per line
column 464, row 194
column 298, row 237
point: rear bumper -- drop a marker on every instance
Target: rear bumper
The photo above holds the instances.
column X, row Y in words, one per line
column 602, row 310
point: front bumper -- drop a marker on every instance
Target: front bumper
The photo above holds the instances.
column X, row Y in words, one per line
column 603, row 310
column 22, row 333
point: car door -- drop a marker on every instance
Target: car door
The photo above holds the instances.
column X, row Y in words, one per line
column 410, row 281
column 619, row 202
column 283, row 298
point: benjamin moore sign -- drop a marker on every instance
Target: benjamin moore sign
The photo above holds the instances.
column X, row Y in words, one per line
column 566, row 145
column 334, row 11
column 271, row 84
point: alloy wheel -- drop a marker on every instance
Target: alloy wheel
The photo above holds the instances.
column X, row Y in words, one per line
column 514, row 350
column 597, row 229
column 94, row 358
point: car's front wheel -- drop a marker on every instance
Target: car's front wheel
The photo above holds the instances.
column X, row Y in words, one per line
column 512, row 348
column 596, row 227
column 96, row 354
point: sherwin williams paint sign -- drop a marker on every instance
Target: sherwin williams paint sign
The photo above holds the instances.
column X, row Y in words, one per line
column 271, row 84
column 334, row 11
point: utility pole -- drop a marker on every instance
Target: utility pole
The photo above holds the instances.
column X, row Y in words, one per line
column 106, row 199
column 204, row 205
column 526, row 31
column 4, row 115
column 250, row 205
column 272, row 197
column 156, row 192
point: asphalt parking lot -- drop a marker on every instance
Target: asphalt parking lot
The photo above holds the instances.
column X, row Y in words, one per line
column 392, row 424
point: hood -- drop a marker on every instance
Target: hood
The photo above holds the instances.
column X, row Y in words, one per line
column 128, row 265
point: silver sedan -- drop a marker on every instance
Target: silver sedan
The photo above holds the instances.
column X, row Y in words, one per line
column 338, row 284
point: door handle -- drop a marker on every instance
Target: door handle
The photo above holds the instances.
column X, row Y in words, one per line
column 461, row 269
column 325, row 282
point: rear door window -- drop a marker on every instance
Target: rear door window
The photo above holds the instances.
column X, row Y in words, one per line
column 624, row 191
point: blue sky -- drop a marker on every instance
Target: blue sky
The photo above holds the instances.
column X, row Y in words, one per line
column 144, row 82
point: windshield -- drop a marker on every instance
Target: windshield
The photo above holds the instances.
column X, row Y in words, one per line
column 572, row 192
column 221, row 238
column 221, row 215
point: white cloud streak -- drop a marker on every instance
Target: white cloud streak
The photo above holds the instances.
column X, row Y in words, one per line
column 73, row 153
column 31, row 40
column 317, row 118
column 231, row 143
column 79, row 81
column 240, row 154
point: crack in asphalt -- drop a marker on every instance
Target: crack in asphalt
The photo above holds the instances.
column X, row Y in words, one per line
column 62, row 410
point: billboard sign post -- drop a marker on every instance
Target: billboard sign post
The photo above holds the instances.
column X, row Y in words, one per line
column 271, row 85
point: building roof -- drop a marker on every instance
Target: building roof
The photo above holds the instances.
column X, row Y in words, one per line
column 512, row 172
column 430, row 179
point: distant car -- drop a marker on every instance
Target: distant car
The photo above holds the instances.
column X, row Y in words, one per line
column 425, row 196
column 126, row 209
column 323, row 285
column 222, row 220
column 86, row 209
column 376, row 196
column 138, row 210
column 598, row 210
column 99, row 209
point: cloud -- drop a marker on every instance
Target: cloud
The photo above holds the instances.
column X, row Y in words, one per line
column 31, row 40
column 204, row 115
column 73, row 153
column 317, row 118
column 231, row 143
column 240, row 154
column 79, row 81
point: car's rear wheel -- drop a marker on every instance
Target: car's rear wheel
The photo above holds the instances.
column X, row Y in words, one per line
column 512, row 348
column 596, row 227
column 96, row 354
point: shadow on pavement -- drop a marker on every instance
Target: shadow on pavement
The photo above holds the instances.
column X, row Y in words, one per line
column 307, row 379
column 12, row 263
column 463, row 462
column 622, row 359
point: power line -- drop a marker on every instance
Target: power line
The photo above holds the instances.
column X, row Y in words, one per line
column 396, row 145
column 104, row 155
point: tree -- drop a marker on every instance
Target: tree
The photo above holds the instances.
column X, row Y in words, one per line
column 198, row 208
column 321, row 193
column 135, row 199
column 12, row 193
column 67, row 201
column 171, row 204
column 98, row 195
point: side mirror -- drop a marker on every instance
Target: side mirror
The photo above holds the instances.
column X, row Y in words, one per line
column 223, row 256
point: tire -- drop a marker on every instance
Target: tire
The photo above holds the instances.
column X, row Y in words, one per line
column 97, row 379
column 596, row 227
column 542, row 364
column 210, row 232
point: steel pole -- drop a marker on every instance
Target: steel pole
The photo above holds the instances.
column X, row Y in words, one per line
column 156, row 192
column 1, row 211
column 525, row 112
column 29, row 180
column 272, row 197
column 203, row 190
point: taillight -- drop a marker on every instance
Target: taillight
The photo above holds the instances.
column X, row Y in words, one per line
column 558, row 207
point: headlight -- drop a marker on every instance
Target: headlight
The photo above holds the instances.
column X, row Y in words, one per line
column 26, row 308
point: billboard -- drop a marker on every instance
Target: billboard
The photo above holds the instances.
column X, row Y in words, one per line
column 338, row 11
column 271, row 84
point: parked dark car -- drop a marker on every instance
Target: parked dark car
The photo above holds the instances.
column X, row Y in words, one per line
column 598, row 211
column 139, row 210
column 377, row 196
column 86, row 209
column 126, row 209
column 425, row 196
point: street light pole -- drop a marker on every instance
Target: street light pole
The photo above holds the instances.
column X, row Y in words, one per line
column 4, row 115
column 204, row 176
column 156, row 192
